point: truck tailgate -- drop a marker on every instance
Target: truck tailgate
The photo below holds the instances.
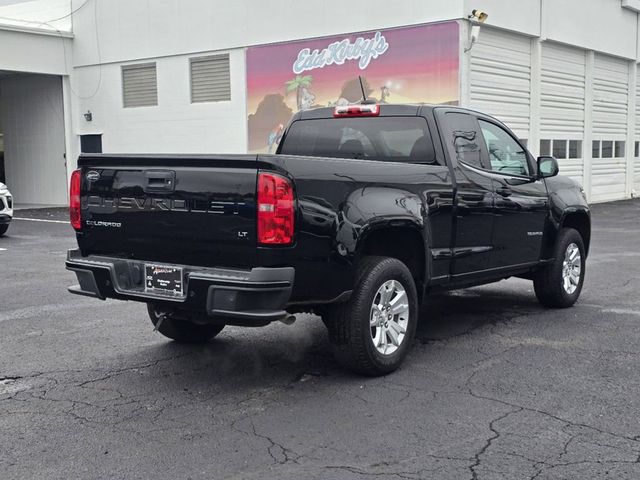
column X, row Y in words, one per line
column 191, row 209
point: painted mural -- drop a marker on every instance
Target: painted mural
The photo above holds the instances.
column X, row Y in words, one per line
column 401, row 65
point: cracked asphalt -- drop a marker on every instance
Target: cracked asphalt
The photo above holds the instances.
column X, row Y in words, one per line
column 496, row 387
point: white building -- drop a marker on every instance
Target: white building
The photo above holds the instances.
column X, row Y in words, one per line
column 169, row 77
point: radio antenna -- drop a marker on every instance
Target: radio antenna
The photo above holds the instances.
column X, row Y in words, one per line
column 365, row 100
column 364, row 95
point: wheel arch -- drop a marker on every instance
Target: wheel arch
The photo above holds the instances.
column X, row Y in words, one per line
column 580, row 221
column 403, row 241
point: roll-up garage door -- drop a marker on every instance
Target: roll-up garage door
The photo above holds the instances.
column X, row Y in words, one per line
column 562, row 106
column 500, row 78
column 610, row 105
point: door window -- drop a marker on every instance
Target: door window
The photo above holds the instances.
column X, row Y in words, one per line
column 505, row 154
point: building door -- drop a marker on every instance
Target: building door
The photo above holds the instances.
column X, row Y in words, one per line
column 34, row 139
column 610, row 105
column 562, row 107
column 500, row 78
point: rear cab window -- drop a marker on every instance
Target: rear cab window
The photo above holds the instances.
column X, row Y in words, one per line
column 392, row 139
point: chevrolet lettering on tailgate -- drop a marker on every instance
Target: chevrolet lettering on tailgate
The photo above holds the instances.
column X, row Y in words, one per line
column 149, row 204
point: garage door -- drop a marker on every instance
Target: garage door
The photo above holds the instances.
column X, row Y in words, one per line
column 610, row 105
column 500, row 78
column 562, row 106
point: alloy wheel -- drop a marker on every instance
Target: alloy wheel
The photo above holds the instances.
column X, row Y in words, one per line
column 571, row 268
column 389, row 317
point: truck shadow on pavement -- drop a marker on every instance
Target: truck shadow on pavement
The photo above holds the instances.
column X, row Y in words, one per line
column 458, row 313
column 280, row 353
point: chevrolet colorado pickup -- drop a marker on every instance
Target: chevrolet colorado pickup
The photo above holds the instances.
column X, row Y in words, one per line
column 362, row 212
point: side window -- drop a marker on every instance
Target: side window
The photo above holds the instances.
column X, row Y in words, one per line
column 505, row 154
column 463, row 138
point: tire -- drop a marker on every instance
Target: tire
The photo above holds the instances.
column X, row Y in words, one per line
column 181, row 329
column 357, row 343
column 552, row 287
column 3, row 229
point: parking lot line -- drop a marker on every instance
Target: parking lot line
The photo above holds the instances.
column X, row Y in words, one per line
column 41, row 220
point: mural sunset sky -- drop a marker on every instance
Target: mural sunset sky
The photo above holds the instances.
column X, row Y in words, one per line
column 421, row 64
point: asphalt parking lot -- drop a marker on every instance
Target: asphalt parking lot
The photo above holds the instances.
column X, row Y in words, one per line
column 496, row 387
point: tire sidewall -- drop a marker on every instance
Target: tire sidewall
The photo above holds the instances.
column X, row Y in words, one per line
column 183, row 330
column 387, row 269
column 567, row 237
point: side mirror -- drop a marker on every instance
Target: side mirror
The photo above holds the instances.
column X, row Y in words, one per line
column 547, row 167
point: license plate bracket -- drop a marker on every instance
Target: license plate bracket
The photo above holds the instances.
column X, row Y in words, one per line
column 163, row 279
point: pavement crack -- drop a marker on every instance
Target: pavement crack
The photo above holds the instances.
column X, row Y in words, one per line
column 495, row 434
column 278, row 452
column 119, row 371
column 551, row 415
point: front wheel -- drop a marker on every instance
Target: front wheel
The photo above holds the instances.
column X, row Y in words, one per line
column 558, row 284
column 3, row 229
column 180, row 328
column 372, row 333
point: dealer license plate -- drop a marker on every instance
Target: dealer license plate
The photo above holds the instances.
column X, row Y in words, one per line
column 160, row 278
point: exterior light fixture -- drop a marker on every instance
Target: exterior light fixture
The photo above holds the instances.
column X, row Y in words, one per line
column 88, row 116
column 478, row 17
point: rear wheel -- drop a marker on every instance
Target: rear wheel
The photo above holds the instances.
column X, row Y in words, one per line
column 180, row 327
column 3, row 229
column 558, row 284
column 372, row 333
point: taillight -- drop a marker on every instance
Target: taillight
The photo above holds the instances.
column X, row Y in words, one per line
column 74, row 200
column 275, row 209
column 366, row 110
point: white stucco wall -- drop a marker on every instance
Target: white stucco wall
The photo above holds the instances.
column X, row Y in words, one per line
column 167, row 33
column 26, row 51
column 175, row 125
column 132, row 29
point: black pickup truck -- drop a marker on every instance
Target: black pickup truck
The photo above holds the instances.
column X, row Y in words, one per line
column 363, row 212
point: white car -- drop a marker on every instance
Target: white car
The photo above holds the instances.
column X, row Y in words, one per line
column 6, row 208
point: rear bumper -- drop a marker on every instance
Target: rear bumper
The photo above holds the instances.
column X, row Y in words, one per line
column 245, row 297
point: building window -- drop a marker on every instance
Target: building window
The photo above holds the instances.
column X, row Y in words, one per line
column 619, row 149
column 636, row 150
column 595, row 149
column 575, row 148
column 91, row 143
column 607, row 149
column 545, row 148
column 139, row 85
column 210, row 79
column 560, row 149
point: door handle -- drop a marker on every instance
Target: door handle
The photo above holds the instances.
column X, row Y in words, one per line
column 159, row 181
column 504, row 191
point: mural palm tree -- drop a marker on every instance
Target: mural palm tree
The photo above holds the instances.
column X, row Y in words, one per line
column 297, row 84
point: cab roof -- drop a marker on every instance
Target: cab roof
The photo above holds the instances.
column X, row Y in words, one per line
column 386, row 110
